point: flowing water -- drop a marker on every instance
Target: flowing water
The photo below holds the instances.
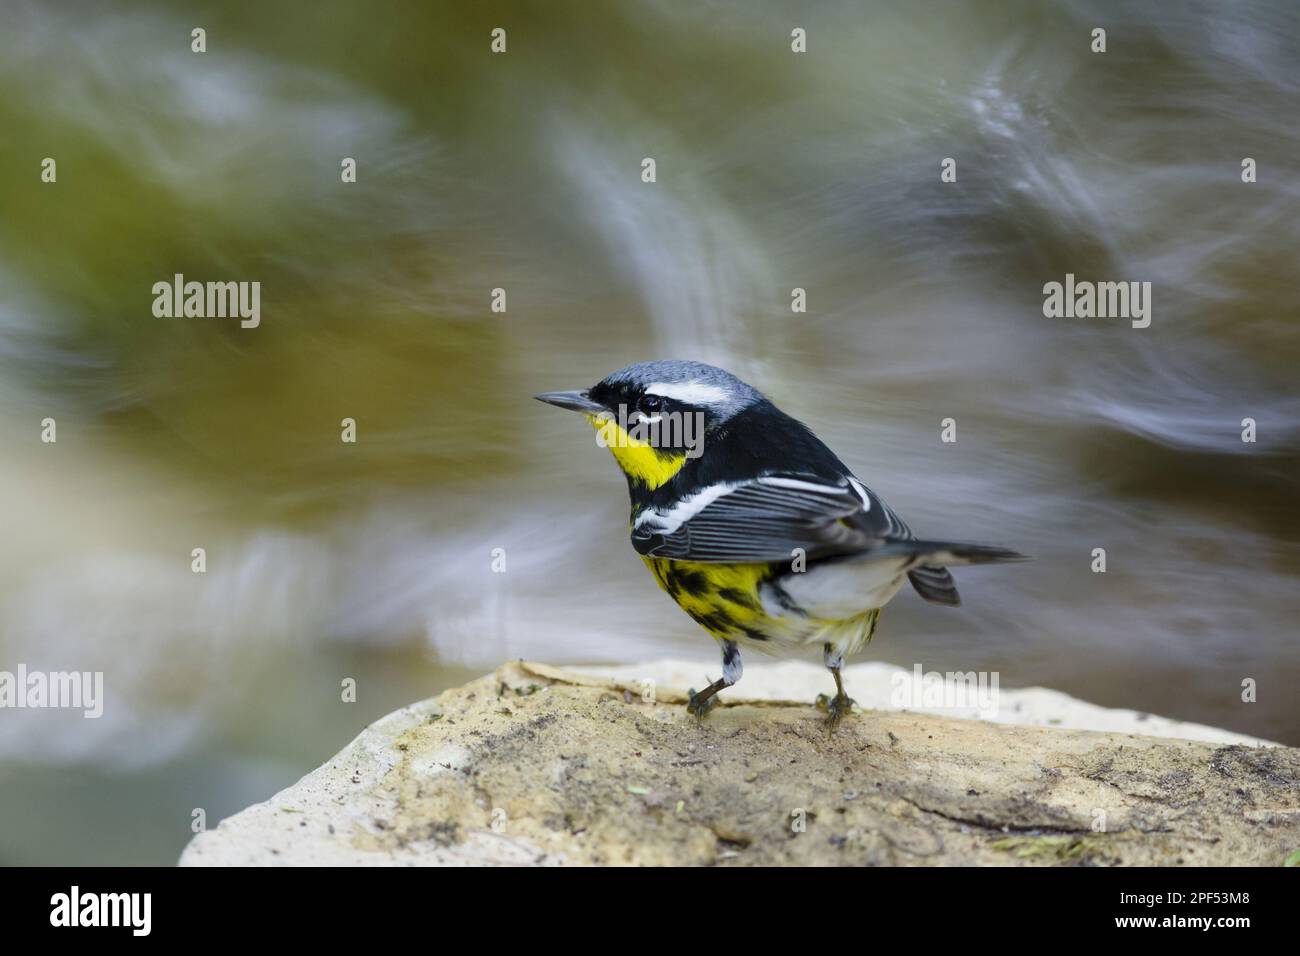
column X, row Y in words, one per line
column 522, row 171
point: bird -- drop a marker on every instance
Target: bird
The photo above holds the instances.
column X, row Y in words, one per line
column 756, row 529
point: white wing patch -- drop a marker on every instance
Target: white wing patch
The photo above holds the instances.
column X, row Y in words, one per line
column 819, row 487
column 666, row 522
column 861, row 489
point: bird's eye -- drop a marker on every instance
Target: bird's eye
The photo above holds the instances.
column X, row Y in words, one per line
column 651, row 403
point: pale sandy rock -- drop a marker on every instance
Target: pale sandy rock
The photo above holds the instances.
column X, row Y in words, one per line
column 874, row 685
column 536, row 765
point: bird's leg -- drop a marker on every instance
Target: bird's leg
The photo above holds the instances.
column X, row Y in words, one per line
column 841, row 704
column 704, row 701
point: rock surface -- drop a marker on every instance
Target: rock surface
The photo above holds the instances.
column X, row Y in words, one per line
column 541, row 766
column 875, row 685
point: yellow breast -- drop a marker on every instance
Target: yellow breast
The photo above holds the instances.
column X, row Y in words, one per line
column 722, row 598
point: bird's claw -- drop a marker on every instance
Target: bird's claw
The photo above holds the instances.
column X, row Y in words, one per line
column 698, row 707
column 835, row 708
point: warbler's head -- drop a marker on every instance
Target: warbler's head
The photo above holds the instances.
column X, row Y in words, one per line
column 655, row 416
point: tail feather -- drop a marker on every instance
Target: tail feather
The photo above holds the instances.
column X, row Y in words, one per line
column 939, row 553
column 933, row 582
column 935, row 585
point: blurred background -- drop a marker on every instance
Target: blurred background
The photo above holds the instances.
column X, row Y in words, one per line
column 522, row 171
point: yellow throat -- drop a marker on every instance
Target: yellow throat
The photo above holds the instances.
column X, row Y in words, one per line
column 639, row 460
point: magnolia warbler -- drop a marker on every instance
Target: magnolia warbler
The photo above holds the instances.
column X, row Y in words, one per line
column 752, row 525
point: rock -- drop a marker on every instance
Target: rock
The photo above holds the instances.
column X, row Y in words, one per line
column 537, row 765
column 873, row 685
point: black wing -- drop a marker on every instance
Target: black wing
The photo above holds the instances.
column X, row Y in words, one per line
column 767, row 518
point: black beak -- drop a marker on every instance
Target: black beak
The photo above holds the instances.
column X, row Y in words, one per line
column 574, row 401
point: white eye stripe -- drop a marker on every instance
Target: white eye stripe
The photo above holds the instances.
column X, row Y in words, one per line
column 691, row 393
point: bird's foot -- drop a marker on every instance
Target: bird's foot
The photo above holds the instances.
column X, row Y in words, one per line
column 699, row 704
column 835, row 708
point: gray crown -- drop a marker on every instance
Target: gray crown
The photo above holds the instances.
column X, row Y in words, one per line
column 717, row 390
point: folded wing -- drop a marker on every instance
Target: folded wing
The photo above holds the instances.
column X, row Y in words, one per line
column 766, row 519
column 774, row 517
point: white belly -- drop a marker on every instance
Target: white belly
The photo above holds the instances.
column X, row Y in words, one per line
column 827, row 602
